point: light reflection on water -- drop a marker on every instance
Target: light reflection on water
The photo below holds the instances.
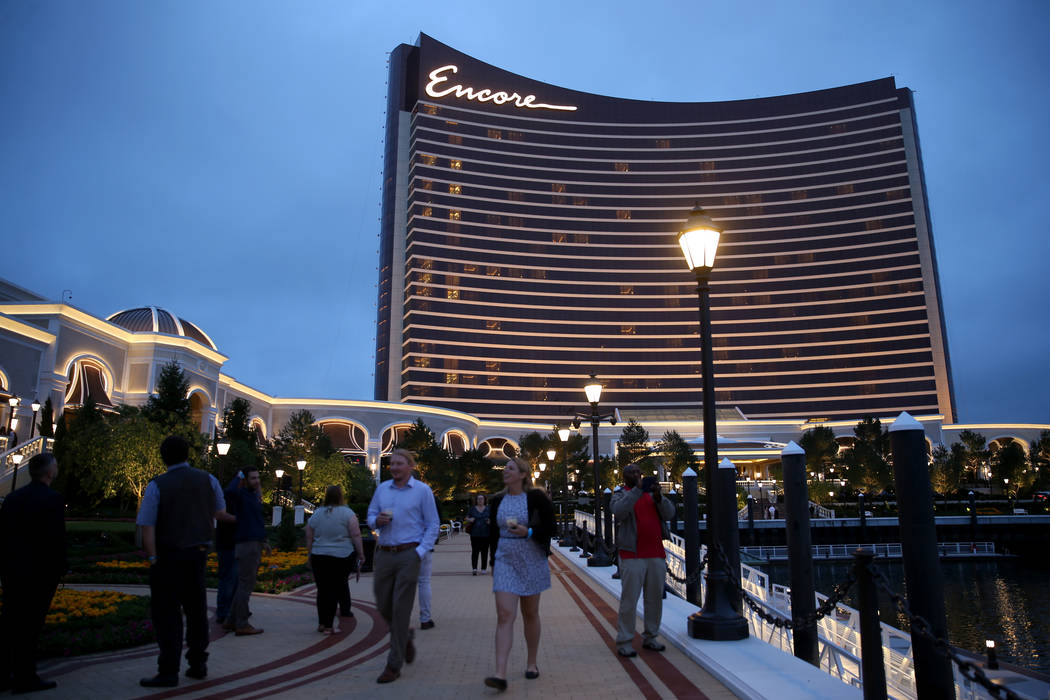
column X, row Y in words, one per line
column 1007, row 600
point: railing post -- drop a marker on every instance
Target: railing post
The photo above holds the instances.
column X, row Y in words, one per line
column 800, row 554
column 873, row 670
column 691, row 523
column 922, row 574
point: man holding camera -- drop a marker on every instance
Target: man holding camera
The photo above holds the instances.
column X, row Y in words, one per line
column 640, row 511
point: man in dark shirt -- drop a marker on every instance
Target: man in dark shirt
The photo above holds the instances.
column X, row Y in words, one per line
column 176, row 516
column 640, row 511
column 32, row 560
column 250, row 540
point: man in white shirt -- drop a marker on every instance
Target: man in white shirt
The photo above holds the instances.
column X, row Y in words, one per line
column 404, row 513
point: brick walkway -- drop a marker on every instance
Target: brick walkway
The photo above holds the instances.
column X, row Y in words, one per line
column 577, row 658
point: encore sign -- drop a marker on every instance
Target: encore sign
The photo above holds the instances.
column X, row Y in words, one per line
column 499, row 97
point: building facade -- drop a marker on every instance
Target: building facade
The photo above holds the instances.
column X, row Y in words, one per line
column 529, row 239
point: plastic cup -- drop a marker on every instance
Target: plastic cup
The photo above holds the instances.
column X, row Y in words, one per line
column 512, row 522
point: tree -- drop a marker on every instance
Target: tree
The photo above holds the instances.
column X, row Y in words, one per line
column 81, row 440
column 244, row 444
column 976, row 453
column 949, row 464
column 821, row 448
column 865, row 463
column 1039, row 459
column 633, row 443
column 533, row 447
column 678, row 456
column 478, row 475
column 438, row 467
column 133, row 457
column 47, row 419
column 171, row 404
column 1007, row 464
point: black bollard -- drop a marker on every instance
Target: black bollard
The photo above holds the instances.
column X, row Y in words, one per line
column 751, row 519
column 922, row 575
column 800, row 553
column 691, row 524
column 873, row 669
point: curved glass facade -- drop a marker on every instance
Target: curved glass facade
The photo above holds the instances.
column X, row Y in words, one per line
column 525, row 247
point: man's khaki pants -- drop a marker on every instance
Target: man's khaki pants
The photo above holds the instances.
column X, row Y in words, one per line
column 394, row 579
column 639, row 576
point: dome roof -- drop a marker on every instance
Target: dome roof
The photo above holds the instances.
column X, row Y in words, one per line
column 152, row 319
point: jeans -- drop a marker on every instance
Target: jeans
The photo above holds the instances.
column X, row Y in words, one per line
column 248, row 556
column 227, row 583
column 425, row 567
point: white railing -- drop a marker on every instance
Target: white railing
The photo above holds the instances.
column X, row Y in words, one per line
column 820, row 511
column 883, row 551
column 27, row 450
column 585, row 521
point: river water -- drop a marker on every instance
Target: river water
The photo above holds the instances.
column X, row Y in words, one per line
column 1007, row 600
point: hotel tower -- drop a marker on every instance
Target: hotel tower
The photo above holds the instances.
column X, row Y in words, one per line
column 529, row 238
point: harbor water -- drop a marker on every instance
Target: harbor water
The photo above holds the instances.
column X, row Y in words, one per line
column 1006, row 600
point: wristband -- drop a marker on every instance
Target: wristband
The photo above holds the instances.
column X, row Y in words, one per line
column 530, row 532
column 152, row 559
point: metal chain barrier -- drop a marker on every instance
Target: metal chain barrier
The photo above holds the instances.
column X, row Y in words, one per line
column 693, row 577
column 825, row 609
column 970, row 670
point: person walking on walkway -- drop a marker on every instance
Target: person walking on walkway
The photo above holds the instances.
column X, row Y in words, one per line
column 333, row 536
column 251, row 540
column 640, row 511
column 478, row 520
column 521, row 524
column 32, row 560
column 176, row 515
column 403, row 511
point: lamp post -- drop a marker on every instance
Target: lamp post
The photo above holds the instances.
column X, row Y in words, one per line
column 718, row 620
column 36, row 409
column 568, row 538
column 301, row 464
column 17, row 459
column 593, row 390
column 13, row 403
column 279, row 473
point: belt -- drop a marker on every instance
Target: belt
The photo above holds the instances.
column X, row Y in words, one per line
column 398, row 547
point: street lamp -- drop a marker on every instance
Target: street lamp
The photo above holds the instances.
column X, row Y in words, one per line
column 568, row 538
column 718, row 620
column 36, row 409
column 11, row 420
column 593, row 390
column 301, row 464
column 223, row 447
column 17, row 459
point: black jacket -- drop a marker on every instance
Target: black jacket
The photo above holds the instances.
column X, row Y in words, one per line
column 33, row 534
column 541, row 520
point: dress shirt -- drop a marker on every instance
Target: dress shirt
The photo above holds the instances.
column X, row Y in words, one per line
column 415, row 515
column 151, row 498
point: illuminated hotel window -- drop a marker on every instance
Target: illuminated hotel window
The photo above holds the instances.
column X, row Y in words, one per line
column 455, row 164
column 430, row 109
column 451, row 123
column 424, row 277
column 451, row 377
column 707, row 165
column 896, row 194
column 799, row 194
column 455, row 189
column 428, row 211
column 423, row 291
column 493, row 219
column 470, row 267
column 492, row 365
column 426, row 264
column 557, row 187
column 470, row 379
column 422, row 361
column 539, row 274
column 623, row 213
column 663, row 143
column 558, row 237
column 454, row 214
column 627, row 330
column 455, row 139
column 515, row 136
column 493, row 271
column 844, row 189
column 452, row 294
column 789, row 352
column 626, row 289
column 425, row 184
column 427, row 159
column 495, row 134
column 493, row 325
column 515, row 196
column 873, row 225
column 579, row 201
column 492, row 379
column 515, row 221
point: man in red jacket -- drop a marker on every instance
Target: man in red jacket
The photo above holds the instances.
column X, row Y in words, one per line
column 640, row 511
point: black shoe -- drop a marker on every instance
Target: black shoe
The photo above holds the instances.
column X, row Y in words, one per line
column 33, row 686
column 653, row 645
column 499, row 684
column 428, row 625
column 198, row 672
column 161, row 680
column 627, row 652
column 532, row 674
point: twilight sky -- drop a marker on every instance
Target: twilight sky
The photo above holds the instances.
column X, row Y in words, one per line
column 223, row 159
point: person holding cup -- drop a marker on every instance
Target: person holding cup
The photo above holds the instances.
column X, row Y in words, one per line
column 521, row 524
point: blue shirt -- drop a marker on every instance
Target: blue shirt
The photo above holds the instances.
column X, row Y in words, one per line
column 415, row 517
column 248, row 509
column 151, row 498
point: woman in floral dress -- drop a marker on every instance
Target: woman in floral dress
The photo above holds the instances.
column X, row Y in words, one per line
column 521, row 526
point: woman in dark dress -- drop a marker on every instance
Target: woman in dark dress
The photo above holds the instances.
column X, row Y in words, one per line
column 478, row 517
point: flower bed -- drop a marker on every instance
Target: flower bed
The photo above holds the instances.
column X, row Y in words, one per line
column 83, row 622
